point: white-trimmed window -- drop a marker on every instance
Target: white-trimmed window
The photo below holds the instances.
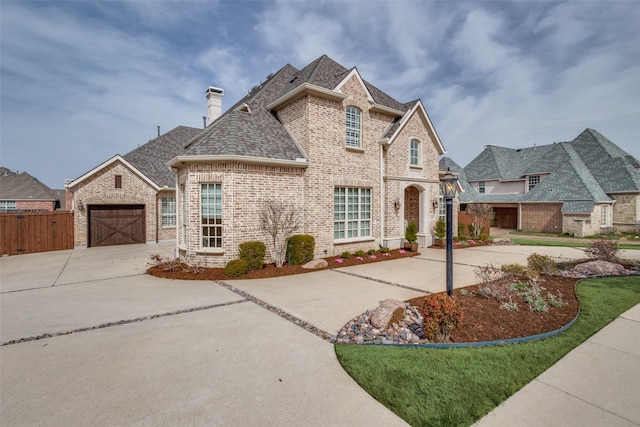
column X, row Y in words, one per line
column 533, row 181
column 354, row 127
column 351, row 213
column 211, row 215
column 442, row 205
column 414, row 152
column 7, row 205
column 168, row 211
column 481, row 187
column 604, row 215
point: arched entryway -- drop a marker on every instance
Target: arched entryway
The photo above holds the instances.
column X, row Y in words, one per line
column 412, row 205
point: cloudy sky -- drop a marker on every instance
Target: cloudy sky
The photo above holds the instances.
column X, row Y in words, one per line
column 82, row 81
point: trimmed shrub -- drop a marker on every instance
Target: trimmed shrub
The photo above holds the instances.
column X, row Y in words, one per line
column 235, row 268
column 483, row 237
column 440, row 229
column 411, row 232
column 461, row 228
column 346, row 255
column 384, row 250
column 300, row 249
column 360, row 252
column 441, row 315
column 253, row 254
column 371, row 251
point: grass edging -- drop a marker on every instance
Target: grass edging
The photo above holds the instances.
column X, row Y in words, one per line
column 457, row 386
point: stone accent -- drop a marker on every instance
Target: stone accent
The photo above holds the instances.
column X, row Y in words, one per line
column 316, row 263
column 382, row 314
column 599, row 268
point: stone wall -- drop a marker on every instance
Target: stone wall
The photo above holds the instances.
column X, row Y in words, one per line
column 626, row 212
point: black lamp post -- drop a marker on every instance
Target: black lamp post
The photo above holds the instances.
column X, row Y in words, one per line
column 448, row 184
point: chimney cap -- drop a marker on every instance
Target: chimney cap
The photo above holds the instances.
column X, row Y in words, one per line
column 213, row 89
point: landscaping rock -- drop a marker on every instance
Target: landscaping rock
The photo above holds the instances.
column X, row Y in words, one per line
column 501, row 241
column 599, row 268
column 316, row 263
column 381, row 315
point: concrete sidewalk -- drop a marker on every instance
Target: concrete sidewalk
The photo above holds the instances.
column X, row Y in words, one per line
column 596, row 384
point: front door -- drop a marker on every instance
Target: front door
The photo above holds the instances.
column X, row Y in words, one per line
column 412, row 205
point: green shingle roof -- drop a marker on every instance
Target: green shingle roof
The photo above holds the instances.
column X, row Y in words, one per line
column 579, row 173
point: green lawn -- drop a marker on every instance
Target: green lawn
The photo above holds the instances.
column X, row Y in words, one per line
column 531, row 242
column 456, row 387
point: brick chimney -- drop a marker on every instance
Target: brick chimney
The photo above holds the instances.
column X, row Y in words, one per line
column 214, row 103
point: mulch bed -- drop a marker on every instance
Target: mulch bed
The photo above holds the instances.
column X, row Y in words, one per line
column 184, row 272
column 484, row 320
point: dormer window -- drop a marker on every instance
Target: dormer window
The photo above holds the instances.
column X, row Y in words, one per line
column 354, row 127
column 533, row 181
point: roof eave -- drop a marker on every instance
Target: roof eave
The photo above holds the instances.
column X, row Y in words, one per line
column 383, row 109
column 112, row 160
column 305, row 89
column 298, row 163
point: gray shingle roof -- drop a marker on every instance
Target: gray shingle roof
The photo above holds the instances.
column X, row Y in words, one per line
column 151, row 158
column 22, row 186
column 581, row 172
column 258, row 132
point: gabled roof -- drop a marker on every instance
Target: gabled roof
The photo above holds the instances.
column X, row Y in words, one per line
column 148, row 161
column 151, row 158
column 22, row 186
column 252, row 129
column 580, row 172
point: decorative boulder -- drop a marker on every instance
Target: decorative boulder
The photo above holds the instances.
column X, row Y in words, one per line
column 382, row 314
column 599, row 268
column 315, row 263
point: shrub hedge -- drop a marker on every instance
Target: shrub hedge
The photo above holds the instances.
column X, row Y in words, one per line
column 253, row 254
column 235, row 268
column 300, row 249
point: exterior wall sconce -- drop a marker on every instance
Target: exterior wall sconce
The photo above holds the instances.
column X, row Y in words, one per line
column 434, row 204
column 396, row 204
column 80, row 206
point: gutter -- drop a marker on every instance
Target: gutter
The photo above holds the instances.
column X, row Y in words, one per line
column 297, row 163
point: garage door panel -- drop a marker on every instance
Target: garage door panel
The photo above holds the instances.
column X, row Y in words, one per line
column 116, row 225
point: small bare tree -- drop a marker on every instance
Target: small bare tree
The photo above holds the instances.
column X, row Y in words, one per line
column 278, row 220
column 480, row 213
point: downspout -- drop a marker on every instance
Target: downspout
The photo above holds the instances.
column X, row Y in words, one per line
column 177, row 250
column 519, row 216
column 382, row 142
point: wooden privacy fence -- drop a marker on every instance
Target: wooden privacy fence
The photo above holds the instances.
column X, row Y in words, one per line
column 25, row 233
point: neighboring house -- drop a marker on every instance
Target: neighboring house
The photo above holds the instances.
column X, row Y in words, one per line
column 577, row 187
column 21, row 192
column 355, row 164
column 130, row 198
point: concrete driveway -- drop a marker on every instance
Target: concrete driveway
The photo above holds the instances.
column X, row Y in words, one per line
column 89, row 339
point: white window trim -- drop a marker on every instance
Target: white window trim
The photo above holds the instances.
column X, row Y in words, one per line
column 418, row 157
column 359, row 220
column 604, row 215
column 164, row 214
column 349, row 128
column 210, row 249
